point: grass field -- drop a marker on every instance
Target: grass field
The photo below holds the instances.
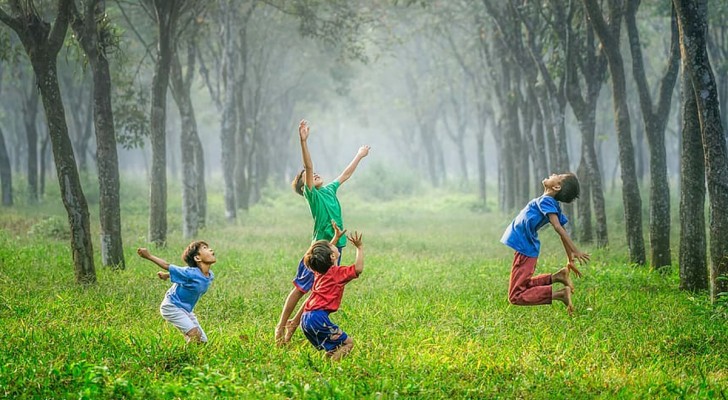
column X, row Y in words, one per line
column 429, row 316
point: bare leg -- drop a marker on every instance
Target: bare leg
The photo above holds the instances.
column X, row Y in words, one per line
column 564, row 295
column 292, row 324
column 293, row 297
column 342, row 350
column 562, row 276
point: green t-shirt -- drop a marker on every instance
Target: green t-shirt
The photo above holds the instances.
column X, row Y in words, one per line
column 324, row 207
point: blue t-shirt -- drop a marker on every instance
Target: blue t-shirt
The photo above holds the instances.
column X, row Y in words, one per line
column 522, row 234
column 189, row 284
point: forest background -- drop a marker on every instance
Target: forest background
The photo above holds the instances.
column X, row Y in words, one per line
column 167, row 121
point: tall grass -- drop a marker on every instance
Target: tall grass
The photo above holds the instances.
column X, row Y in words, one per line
column 429, row 315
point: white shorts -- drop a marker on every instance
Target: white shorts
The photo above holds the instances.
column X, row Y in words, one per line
column 180, row 318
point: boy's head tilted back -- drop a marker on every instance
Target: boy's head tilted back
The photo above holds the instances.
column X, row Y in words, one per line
column 192, row 251
column 569, row 188
column 319, row 256
column 298, row 182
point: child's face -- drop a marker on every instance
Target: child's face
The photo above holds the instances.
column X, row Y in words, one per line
column 206, row 255
column 317, row 181
column 334, row 254
column 553, row 181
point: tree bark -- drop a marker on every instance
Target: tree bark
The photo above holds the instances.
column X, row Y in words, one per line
column 229, row 113
column 630, row 188
column 655, row 120
column 692, row 22
column 6, row 176
column 88, row 30
column 30, row 113
column 692, row 257
column 166, row 13
column 190, row 145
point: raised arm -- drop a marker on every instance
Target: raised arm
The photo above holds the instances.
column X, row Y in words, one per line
column 355, row 239
column 145, row 254
column 349, row 170
column 303, row 131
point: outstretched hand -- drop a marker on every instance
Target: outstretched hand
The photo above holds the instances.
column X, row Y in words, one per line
column 144, row 252
column 582, row 257
column 364, row 151
column 337, row 231
column 303, row 130
column 355, row 239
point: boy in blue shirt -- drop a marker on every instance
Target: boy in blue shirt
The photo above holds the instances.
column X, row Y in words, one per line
column 188, row 285
column 522, row 236
column 325, row 208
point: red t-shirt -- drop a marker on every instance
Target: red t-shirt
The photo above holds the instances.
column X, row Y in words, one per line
column 329, row 288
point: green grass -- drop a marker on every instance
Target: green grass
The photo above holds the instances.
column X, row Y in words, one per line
column 429, row 315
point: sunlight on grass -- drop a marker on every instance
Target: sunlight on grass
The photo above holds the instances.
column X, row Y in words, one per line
column 429, row 316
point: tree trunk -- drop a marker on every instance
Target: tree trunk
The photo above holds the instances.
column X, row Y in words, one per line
column 229, row 113
column 584, row 58
column 692, row 257
column 6, row 176
column 692, row 22
column 166, row 14
column 44, row 162
column 42, row 43
column 30, row 112
column 480, row 154
column 655, row 121
column 192, row 182
column 630, row 188
column 107, row 161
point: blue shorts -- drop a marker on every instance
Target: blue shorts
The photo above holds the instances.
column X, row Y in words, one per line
column 320, row 331
column 304, row 276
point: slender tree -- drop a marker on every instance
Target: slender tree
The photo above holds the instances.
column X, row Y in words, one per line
column 42, row 42
column 94, row 33
column 692, row 22
column 6, row 176
column 655, row 118
column 584, row 61
column 166, row 14
column 194, row 198
column 630, row 188
column 692, row 256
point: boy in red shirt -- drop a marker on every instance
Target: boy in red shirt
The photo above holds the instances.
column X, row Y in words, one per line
column 328, row 288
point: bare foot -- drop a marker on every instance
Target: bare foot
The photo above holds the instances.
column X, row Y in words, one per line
column 564, row 295
column 279, row 335
column 562, row 276
column 290, row 330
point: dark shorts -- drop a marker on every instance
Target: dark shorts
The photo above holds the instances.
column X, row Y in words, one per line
column 304, row 276
column 320, row 331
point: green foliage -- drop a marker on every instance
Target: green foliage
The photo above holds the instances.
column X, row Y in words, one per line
column 721, row 301
column 429, row 315
column 130, row 115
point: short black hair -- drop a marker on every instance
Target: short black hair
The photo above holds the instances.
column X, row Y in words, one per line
column 318, row 257
column 569, row 189
column 297, row 182
column 192, row 250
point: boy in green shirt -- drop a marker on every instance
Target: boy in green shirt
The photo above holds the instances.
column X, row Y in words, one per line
column 325, row 210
